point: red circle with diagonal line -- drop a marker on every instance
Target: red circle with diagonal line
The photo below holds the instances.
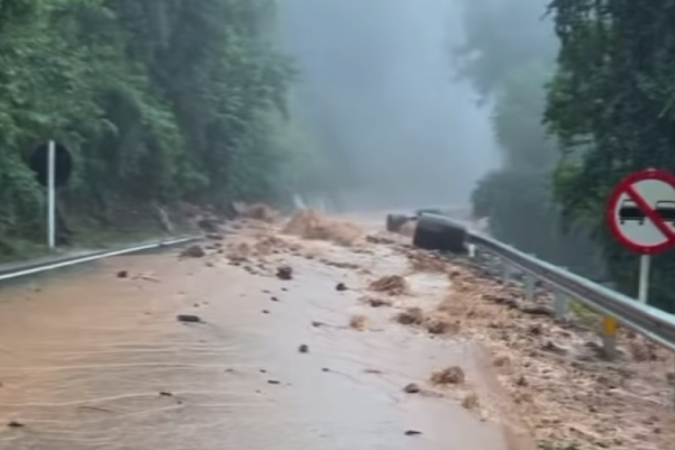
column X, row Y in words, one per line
column 641, row 211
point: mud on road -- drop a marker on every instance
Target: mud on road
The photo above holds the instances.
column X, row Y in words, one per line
column 346, row 340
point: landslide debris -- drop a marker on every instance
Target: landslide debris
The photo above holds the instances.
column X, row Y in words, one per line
column 391, row 284
column 309, row 224
column 449, row 375
column 193, row 251
column 256, row 211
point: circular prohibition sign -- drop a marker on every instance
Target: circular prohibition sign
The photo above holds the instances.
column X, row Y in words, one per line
column 641, row 211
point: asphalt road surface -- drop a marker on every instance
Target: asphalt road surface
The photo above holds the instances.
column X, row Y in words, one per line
column 95, row 358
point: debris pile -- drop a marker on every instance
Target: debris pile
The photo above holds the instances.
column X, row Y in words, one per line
column 193, row 251
column 442, row 325
column 392, row 285
column 449, row 375
column 268, row 244
column 471, row 402
column 309, row 224
column 556, row 373
column 436, row 324
column 411, row 316
column 256, row 211
column 239, row 252
column 422, row 261
column 358, row 322
column 263, row 246
column 376, row 302
column 380, row 240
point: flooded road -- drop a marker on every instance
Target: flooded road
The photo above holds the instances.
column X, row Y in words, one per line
column 90, row 360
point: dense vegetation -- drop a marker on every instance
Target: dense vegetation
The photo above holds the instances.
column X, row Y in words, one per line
column 509, row 56
column 160, row 101
column 611, row 107
column 170, row 101
column 572, row 126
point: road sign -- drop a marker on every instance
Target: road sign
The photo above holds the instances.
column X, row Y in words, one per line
column 641, row 211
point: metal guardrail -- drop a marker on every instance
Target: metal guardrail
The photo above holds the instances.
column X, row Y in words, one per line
column 646, row 320
column 31, row 269
column 614, row 306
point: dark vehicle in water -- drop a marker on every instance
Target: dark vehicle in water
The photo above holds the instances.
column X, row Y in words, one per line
column 629, row 211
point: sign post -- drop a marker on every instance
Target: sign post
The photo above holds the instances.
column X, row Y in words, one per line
column 52, row 164
column 51, row 196
column 643, row 284
column 641, row 216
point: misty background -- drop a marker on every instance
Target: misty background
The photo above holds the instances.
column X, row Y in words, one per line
column 438, row 102
column 379, row 92
column 173, row 104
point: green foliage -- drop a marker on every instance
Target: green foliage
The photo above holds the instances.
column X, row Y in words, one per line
column 509, row 57
column 522, row 213
column 159, row 100
column 611, row 106
column 519, row 106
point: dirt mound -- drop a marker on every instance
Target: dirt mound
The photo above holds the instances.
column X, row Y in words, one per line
column 376, row 302
column 309, row 224
column 392, row 285
column 267, row 245
column 411, row 316
column 257, row 211
column 450, row 375
column 461, row 275
column 427, row 262
column 257, row 246
column 555, row 373
column 437, row 324
column 193, row 251
column 358, row 322
column 440, row 325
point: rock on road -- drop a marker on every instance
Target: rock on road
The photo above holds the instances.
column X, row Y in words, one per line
column 283, row 344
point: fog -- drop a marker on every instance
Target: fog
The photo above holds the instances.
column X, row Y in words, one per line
column 378, row 89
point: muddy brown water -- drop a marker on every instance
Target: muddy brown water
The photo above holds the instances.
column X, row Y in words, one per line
column 92, row 361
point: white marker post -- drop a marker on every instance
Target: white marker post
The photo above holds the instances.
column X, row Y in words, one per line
column 643, row 286
column 51, row 195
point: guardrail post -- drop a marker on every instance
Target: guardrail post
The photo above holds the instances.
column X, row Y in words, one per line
column 506, row 272
column 561, row 305
column 609, row 337
column 529, row 287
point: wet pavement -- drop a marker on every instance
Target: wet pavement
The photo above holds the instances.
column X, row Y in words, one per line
column 92, row 361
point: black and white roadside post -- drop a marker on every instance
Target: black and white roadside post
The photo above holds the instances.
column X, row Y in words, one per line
column 52, row 164
column 51, row 196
